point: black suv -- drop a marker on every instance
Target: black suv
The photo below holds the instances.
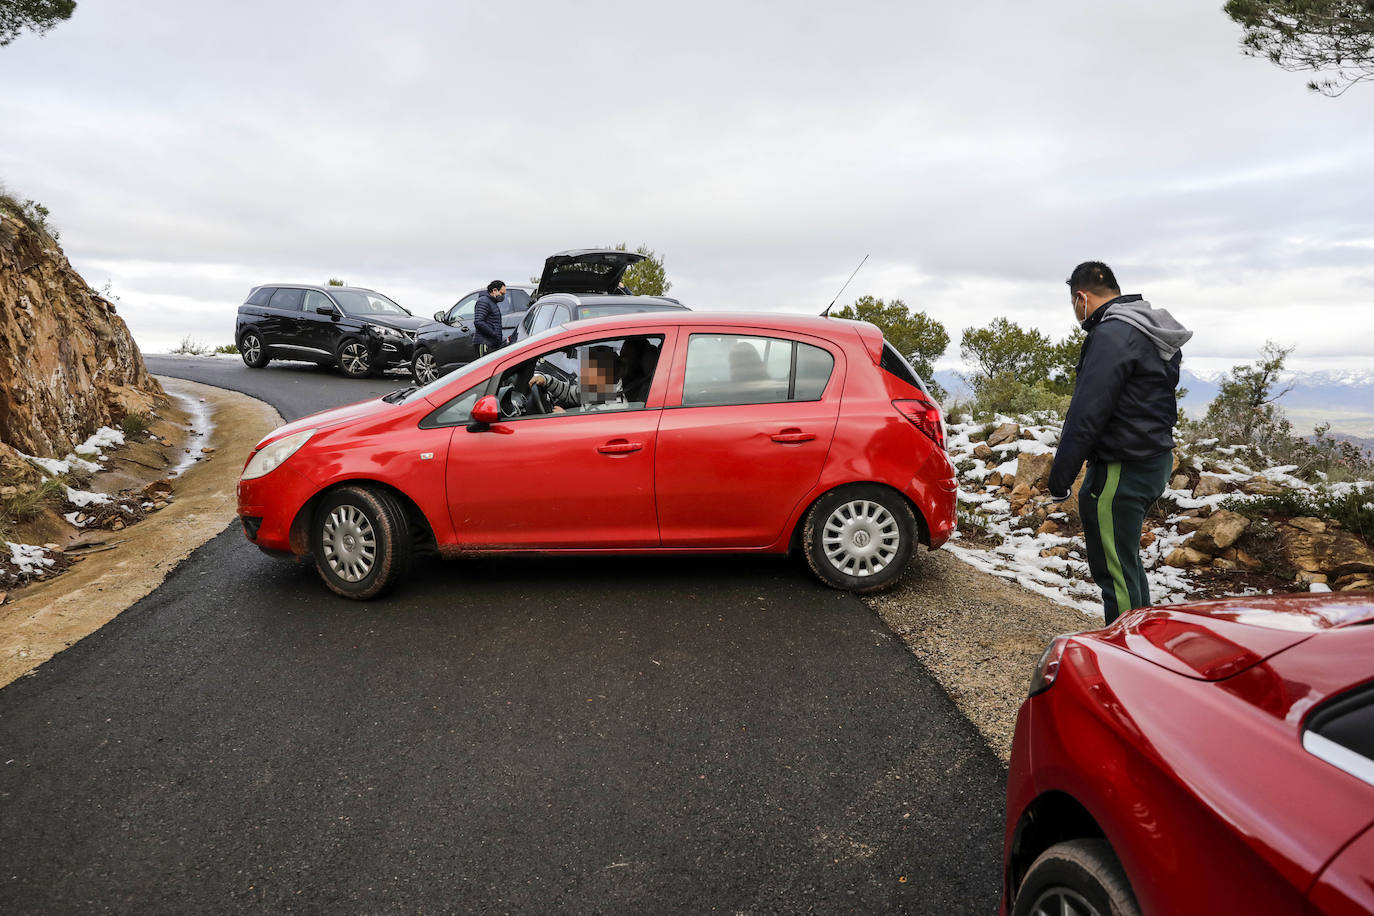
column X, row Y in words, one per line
column 359, row 330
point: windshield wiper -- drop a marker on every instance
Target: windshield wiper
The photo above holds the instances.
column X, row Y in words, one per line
column 399, row 395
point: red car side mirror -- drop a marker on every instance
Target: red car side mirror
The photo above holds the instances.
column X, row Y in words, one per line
column 486, row 410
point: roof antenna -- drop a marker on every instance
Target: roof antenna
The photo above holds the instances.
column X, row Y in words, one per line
column 826, row 313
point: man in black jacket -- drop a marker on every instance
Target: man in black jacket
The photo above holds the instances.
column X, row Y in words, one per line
column 486, row 318
column 1121, row 422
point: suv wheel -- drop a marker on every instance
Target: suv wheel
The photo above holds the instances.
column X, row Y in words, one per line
column 354, row 359
column 859, row 538
column 253, row 351
column 361, row 541
column 424, row 367
column 1080, row 878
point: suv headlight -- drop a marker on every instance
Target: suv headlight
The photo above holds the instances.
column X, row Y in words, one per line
column 270, row 457
column 381, row 331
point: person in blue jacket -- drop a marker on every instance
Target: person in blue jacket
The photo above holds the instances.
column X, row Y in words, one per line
column 1121, row 422
column 486, row 319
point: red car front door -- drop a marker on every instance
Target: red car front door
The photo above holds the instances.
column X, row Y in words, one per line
column 731, row 474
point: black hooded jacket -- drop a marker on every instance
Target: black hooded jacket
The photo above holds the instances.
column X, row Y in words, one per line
column 1123, row 407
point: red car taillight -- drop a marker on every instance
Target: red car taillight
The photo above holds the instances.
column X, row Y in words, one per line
column 925, row 416
column 1047, row 669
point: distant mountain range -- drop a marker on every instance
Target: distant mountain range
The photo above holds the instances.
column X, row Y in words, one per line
column 1344, row 399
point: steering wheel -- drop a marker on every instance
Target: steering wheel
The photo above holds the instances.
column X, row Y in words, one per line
column 511, row 402
column 537, row 398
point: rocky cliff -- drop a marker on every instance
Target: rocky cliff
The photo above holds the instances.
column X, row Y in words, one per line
column 67, row 362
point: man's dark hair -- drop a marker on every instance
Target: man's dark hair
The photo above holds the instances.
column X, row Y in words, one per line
column 1093, row 277
column 494, row 285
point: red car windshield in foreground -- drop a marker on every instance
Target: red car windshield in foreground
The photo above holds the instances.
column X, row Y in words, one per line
column 665, row 432
column 1206, row 758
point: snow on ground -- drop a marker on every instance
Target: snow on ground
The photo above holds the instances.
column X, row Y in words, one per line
column 1066, row 579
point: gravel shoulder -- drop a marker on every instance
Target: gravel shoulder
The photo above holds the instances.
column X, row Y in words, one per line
column 980, row 636
column 44, row 618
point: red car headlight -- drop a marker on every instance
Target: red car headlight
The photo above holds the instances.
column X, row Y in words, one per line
column 1047, row 669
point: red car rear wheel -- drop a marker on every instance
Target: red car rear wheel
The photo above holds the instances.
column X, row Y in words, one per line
column 1079, row 878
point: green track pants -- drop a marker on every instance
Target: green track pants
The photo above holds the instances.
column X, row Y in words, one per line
column 1112, row 503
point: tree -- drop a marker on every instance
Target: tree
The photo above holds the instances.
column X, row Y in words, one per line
column 1019, row 370
column 38, row 16
column 646, row 277
column 1244, row 411
column 915, row 335
column 1321, row 36
column 335, row 281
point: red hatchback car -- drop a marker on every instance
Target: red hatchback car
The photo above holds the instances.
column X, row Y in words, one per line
column 664, row 432
column 1207, row 758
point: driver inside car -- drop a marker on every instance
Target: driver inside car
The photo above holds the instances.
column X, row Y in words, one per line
column 596, row 388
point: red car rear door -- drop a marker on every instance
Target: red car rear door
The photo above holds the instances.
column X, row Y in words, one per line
column 745, row 437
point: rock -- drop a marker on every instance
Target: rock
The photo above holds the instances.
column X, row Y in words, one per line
column 1359, row 580
column 1314, row 525
column 117, row 525
column 1333, row 552
column 68, row 364
column 1180, row 482
column 1262, row 486
column 4, row 596
column 1183, row 557
column 1061, row 552
column 1201, row 512
column 206, row 450
column 1307, row 578
column 1241, row 557
column 1221, row 529
column 159, row 505
column 1146, row 539
column 158, row 489
column 1027, row 434
column 1228, row 565
column 167, row 443
column 1357, row 586
column 1048, row 527
column 1209, row 485
column 1019, row 494
column 1034, row 470
column 1007, row 432
column 1189, row 525
column 994, row 479
column 982, row 452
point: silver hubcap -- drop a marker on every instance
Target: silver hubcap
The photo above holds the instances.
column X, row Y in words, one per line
column 424, row 368
column 860, row 538
column 252, row 349
column 350, row 543
column 355, row 359
column 1060, row 901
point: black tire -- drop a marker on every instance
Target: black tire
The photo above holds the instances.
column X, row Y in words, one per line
column 1080, row 877
column 253, row 350
column 859, row 538
column 361, row 540
column 423, row 367
column 355, row 360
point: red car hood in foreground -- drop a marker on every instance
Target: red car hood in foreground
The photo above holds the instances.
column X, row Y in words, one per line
column 1212, row 640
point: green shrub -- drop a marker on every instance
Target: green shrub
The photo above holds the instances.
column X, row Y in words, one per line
column 133, row 424
column 1354, row 509
column 228, row 348
column 189, row 346
column 25, row 505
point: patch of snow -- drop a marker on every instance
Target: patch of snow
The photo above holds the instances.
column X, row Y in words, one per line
column 84, row 498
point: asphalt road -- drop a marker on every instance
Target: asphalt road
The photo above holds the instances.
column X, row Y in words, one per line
column 613, row 736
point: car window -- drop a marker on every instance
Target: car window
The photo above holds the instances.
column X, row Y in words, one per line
column 366, row 302
column 1342, row 733
column 456, row 411
column 590, row 377
column 543, row 319
column 314, row 300
column 724, row 369
column 517, row 300
column 261, row 296
column 287, row 299
column 464, row 308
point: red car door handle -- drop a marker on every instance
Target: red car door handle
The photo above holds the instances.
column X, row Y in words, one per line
column 619, row 447
column 793, row 435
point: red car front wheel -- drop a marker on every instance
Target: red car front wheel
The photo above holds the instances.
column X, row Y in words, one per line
column 361, row 541
column 1076, row 878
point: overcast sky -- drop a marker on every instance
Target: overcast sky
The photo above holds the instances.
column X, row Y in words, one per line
column 976, row 151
